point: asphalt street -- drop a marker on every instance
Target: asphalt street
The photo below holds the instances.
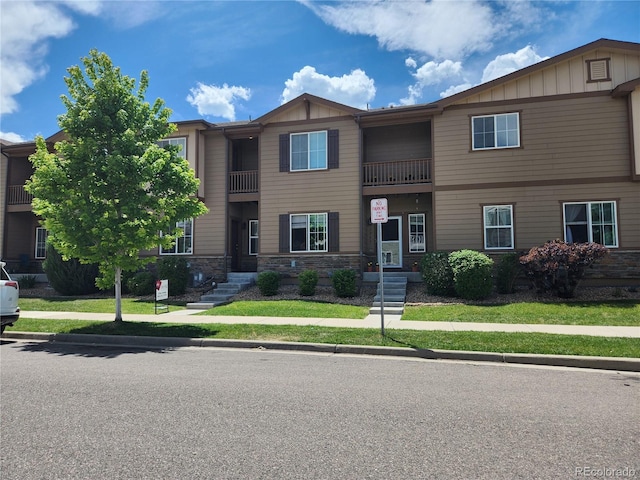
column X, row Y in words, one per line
column 73, row 411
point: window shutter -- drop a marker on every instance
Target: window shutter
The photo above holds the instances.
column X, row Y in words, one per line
column 332, row 147
column 284, row 233
column 284, row 152
column 334, row 232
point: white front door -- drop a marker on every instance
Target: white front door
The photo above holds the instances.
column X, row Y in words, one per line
column 392, row 242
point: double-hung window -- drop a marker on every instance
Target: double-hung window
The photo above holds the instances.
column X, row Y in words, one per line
column 181, row 142
column 309, row 151
column 591, row 222
column 498, row 227
column 308, row 232
column 41, row 242
column 183, row 244
column 496, row 131
column 253, row 237
column 417, row 239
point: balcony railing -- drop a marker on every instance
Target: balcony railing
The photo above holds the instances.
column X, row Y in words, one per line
column 17, row 195
column 397, row 172
column 243, row 182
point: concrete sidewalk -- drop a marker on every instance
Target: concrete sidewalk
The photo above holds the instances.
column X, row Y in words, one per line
column 371, row 321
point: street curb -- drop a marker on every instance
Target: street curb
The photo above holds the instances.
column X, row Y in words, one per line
column 600, row 363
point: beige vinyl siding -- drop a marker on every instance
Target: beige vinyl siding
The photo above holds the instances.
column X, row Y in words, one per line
column 4, row 177
column 299, row 114
column 567, row 77
column 335, row 190
column 537, row 213
column 210, row 229
column 585, row 137
column 635, row 120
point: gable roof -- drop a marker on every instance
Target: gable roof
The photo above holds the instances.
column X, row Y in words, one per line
column 306, row 99
column 602, row 43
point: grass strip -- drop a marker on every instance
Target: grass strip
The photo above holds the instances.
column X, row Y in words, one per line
column 288, row 308
column 611, row 313
column 539, row 343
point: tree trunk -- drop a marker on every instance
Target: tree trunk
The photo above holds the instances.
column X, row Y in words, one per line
column 118, row 295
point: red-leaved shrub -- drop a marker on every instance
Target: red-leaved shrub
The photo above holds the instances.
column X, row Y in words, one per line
column 558, row 266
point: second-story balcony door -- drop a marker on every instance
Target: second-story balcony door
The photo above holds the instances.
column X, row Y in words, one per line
column 392, row 242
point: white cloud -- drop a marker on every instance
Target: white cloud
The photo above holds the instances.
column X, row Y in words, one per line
column 26, row 26
column 510, row 62
column 431, row 73
column 452, row 90
column 12, row 137
column 355, row 89
column 215, row 101
column 438, row 28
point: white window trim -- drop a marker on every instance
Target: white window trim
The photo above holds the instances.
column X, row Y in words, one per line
column 424, row 234
column 326, row 151
column 256, row 237
column 45, row 234
column 308, row 239
column 176, row 141
column 589, row 220
column 495, row 132
column 175, row 244
column 486, row 227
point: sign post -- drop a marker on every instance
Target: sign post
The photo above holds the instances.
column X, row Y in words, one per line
column 380, row 215
column 162, row 293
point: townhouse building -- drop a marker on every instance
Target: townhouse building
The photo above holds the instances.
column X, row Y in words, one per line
column 549, row 151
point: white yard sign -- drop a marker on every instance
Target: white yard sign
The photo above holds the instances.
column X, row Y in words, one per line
column 162, row 289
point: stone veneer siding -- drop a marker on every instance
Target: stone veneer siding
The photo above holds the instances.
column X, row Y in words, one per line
column 324, row 264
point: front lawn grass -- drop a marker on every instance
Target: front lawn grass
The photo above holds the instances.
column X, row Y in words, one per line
column 90, row 305
column 288, row 308
column 539, row 343
column 612, row 313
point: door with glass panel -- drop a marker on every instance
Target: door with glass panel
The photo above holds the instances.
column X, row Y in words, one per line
column 392, row 242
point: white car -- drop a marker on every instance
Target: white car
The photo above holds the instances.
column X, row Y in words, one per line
column 9, row 294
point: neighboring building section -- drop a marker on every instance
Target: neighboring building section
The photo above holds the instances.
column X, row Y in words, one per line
column 550, row 151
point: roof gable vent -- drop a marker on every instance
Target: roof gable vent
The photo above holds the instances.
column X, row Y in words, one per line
column 598, row 70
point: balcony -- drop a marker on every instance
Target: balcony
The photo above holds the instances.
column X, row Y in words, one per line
column 243, row 186
column 412, row 175
column 17, row 195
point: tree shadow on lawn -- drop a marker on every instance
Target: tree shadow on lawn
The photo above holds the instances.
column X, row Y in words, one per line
column 110, row 340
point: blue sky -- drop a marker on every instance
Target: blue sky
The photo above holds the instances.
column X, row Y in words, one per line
column 229, row 61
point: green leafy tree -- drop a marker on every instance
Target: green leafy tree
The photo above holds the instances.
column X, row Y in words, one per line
column 108, row 189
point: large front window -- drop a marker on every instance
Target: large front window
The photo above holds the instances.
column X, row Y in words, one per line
column 309, row 232
column 496, row 131
column 309, row 151
column 184, row 242
column 498, row 227
column 591, row 222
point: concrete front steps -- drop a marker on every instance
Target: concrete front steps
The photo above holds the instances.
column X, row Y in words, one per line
column 395, row 293
column 224, row 292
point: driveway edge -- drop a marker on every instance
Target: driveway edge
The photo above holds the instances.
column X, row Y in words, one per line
column 601, row 363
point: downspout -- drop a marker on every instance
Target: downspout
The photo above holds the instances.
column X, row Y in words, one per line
column 360, row 177
column 227, row 229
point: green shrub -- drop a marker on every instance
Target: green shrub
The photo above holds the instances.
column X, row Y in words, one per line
column 437, row 273
column 269, row 283
column 27, row 281
column 507, row 272
column 307, row 282
column 471, row 274
column 558, row 267
column 176, row 270
column 344, row 283
column 142, row 283
column 69, row 277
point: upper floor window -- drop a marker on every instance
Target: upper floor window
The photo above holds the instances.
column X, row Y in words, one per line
column 498, row 227
column 591, row 222
column 184, row 243
column 181, row 141
column 417, row 239
column 253, row 237
column 309, row 151
column 309, row 232
column 41, row 242
column 496, row 131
